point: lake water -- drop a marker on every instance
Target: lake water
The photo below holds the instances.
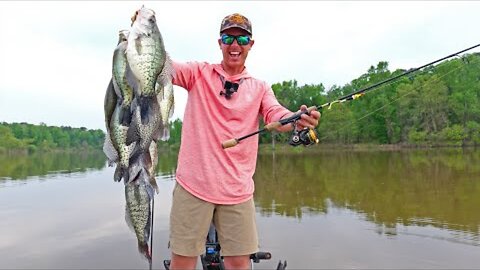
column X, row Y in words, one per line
column 316, row 209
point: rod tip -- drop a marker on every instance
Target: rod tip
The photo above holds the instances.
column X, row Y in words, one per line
column 229, row 143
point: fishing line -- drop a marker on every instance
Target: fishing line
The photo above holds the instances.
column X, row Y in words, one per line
column 151, row 233
column 404, row 95
column 355, row 95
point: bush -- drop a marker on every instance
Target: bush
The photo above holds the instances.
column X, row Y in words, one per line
column 416, row 137
column 473, row 131
column 454, row 135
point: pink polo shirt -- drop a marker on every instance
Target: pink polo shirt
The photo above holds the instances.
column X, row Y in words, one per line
column 205, row 169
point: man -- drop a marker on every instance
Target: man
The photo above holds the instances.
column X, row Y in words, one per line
column 215, row 183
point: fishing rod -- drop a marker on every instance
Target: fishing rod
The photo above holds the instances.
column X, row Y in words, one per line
column 310, row 136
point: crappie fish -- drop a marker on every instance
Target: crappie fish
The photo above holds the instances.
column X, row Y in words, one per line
column 122, row 88
column 167, row 105
column 109, row 105
column 147, row 61
column 118, row 121
column 143, row 166
column 138, row 213
column 144, row 136
column 118, row 135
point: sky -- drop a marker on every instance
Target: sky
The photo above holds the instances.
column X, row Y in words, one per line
column 56, row 56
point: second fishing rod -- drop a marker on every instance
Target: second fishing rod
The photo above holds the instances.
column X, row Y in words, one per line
column 310, row 136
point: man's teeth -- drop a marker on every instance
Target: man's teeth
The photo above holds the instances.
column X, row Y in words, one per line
column 234, row 53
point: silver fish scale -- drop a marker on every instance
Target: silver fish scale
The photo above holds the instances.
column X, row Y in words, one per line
column 138, row 207
column 147, row 65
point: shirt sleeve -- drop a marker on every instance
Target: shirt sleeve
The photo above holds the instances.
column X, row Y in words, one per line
column 270, row 109
column 185, row 74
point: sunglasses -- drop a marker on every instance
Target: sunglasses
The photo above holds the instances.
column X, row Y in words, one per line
column 241, row 40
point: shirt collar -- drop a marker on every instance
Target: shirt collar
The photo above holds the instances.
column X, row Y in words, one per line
column 219, row 69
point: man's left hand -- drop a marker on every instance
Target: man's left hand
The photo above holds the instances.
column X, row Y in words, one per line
column 309, row 121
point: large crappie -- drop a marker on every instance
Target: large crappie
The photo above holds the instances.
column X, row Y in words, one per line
column 138, row 213
column 147, row 61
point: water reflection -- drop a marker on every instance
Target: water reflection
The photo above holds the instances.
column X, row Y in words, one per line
column 22, row 166
column 439, row 188
column 428, row 194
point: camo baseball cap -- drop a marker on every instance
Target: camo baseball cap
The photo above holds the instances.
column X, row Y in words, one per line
column 236, row 20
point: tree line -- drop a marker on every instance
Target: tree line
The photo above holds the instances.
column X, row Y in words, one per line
column 439, row 105
column 31, row 137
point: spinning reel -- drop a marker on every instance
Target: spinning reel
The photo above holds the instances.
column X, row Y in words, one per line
column 306, row 136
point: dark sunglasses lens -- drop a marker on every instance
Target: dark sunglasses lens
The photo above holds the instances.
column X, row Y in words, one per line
column 243, row 40
column 227, row 40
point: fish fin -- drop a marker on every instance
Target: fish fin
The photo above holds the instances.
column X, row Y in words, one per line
column 150, row 189
column 168, row 67
column 144, row 250
column 170, row 114
column 135, row 167
column 149, row 109
column 144, row 103
column 159, row 89
column 109, row 103
column 132, row 133
column 166, row 75
column 156, row 135
column 110, row 150
column 135, row 171
column 125, row 116
column 149, row 179
column 118, row 174
column 138, row 45
column 165, row 134
column 116, row 88
column 153, row 183
column 132, row 81
column 132, row 148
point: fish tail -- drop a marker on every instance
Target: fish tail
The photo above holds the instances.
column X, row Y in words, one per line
column 117, row 176
column 154, row 185
column 165, row 134
column 121, row 172
column 134, row 170
column 148, row 109
column 110, row 150
column 144, row 250
column 136, row 163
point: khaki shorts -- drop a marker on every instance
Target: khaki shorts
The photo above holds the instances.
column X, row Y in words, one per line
column 190, row 220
